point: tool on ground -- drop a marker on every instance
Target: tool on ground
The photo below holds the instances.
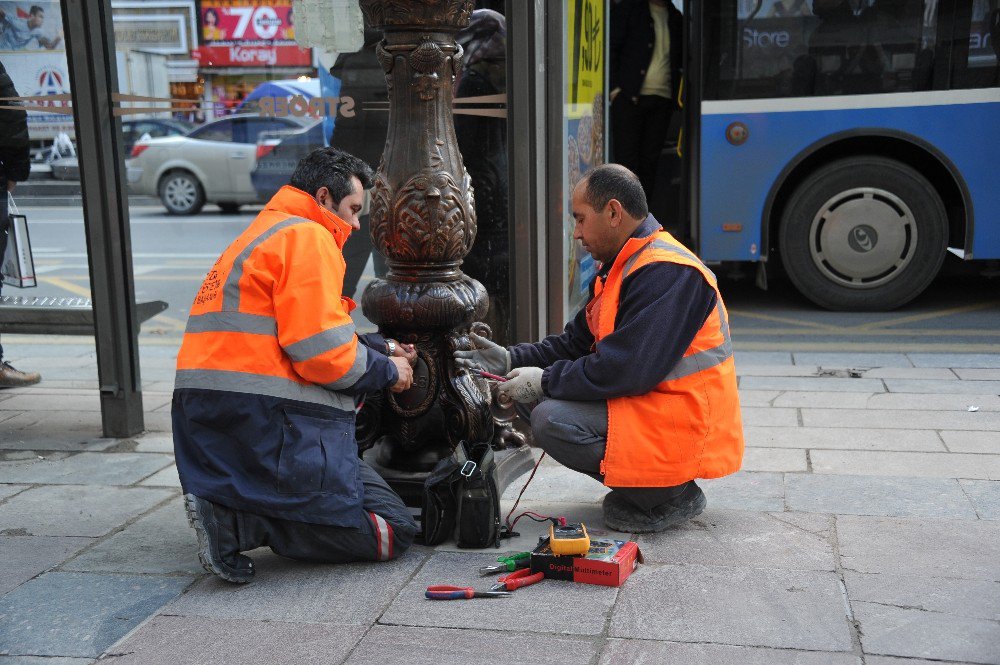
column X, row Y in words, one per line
column 569, row 540
column 495, row 377
column 508, row 564
column 446, row 592
column 517, row 579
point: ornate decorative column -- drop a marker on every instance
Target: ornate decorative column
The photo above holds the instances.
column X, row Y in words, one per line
column 423, row 221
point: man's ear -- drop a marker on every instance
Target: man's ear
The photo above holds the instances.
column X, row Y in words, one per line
column 615, row 212
column 322, row 194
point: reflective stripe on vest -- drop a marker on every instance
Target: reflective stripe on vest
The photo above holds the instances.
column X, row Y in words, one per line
column 231, row 289
column 356, row 371
column 253, row 324
column 321, row 342
column 260, row 384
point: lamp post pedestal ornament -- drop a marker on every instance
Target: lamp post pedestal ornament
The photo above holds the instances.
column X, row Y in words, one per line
column 423, row 221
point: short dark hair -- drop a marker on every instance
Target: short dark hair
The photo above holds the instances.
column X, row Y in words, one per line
column 34, row 10
column 614, row 181
column 330, row 168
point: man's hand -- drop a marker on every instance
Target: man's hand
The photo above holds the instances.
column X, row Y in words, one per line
column 10, row 185
column 408, row 351
column 523, row 384
column 405, row 374
column 486, row 355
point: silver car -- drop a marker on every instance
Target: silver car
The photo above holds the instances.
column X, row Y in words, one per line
column 212, row 164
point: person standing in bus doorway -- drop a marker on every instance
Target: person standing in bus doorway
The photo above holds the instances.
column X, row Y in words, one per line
column 15, row 165
column 639, row 390
column 644, row 77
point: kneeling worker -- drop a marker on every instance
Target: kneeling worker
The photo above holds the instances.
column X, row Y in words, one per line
column 268, row 376
column 639, row 391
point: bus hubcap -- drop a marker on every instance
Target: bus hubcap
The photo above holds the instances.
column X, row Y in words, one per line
column 863, row 237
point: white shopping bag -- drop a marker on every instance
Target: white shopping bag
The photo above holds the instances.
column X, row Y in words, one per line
column 18, row 266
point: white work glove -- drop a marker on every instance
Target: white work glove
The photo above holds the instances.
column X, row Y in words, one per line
column 523, row 384
column 487, row 355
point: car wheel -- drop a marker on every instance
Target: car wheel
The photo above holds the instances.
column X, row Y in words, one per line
column 181, row 193
column 229, row 208
column 863, row 234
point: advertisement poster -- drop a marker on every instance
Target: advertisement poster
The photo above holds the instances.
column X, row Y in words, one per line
column 32, row 51
column 584, row 129
column 248, row 33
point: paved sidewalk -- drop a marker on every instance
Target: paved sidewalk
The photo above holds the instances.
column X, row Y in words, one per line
column 864, row 528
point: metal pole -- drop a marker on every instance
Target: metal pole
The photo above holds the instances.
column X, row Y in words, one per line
column 90, row 52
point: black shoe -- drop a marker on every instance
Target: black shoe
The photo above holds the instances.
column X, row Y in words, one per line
column 213, row 538
column 622, row 515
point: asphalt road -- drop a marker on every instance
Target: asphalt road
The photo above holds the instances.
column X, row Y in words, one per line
column 959, row 313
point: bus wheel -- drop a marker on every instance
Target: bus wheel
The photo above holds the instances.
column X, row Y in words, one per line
column 863, row 234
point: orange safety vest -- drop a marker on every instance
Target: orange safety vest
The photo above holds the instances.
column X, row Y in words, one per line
column 264, row 321
column 689, row 425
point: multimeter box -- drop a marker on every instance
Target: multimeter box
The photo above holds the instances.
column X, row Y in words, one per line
column 608, row 563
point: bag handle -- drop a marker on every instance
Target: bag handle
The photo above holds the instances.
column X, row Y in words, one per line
column 11, row 205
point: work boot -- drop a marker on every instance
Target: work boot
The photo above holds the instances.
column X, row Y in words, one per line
column 15, row 378
column 218, row 546
column 622, row 515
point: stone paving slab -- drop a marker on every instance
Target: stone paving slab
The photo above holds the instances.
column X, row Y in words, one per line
column 166, row 478
column 985, row 497
column 76, row 510
column 43, row 660
column 978, row 374
column 769, row 416
column 92, row 468
column 449, row 646
column 159, row 543
column 43, row 441
column 844, row 439
column 79, row 614
column 955, row 360
column 938, row 402
column 853, row 359
column 774, row 459
column 755, row 358
column 24, row 557
column 888, row 419
column 648, row 652
column 87, row 425
column 920, row 547
column 790, row 609
column 155, row 443
column 742, row 369
column 878, row 463
column 81, row 401
column 937, row 373
column 740, row 539
column 965, row 598
column 757, row 397
column 875, row 495
column 169, row 640
column 284, row 590
column 904, row 631
column 746, row 490
column 551, row 606
column 556, row 483
column 943, row 387
column 972, row 442
column 818, row 400
column 892, row 660
column 812, row 384
column 11, row 490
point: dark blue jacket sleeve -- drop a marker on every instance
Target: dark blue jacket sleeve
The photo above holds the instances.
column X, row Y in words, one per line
column 574, row 342
column 379, row 372
column 662, row 307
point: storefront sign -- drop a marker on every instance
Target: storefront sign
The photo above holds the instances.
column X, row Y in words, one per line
column 156, row 34
column 249, row 34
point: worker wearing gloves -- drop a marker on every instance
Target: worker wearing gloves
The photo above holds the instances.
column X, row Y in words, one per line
column 639, row 391
column 268, row 376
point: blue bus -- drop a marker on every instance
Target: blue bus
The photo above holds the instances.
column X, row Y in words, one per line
column 854, row 141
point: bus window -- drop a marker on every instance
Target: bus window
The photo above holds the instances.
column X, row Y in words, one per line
column 805, row 48
column 982, row 64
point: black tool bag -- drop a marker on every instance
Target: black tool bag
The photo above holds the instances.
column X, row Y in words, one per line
column 461, row 495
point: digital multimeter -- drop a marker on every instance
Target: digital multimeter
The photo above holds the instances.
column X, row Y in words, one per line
column 569, row 540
